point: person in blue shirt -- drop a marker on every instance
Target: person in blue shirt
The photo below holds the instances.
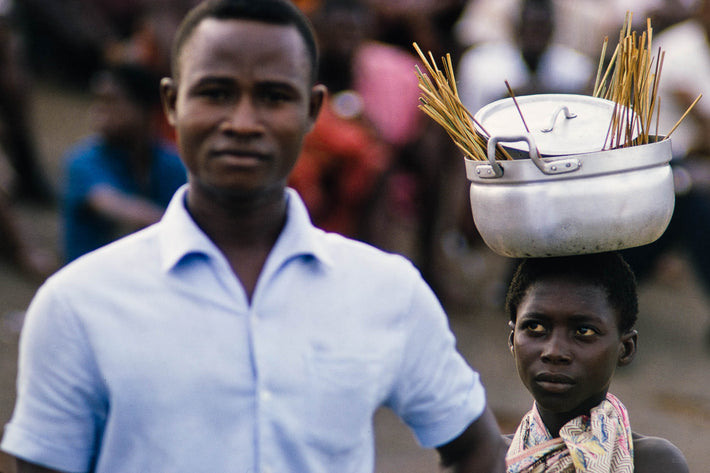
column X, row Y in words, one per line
column 121, row 178
column 234, row 335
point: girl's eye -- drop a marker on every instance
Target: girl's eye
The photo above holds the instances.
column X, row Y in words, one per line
column 534, row 327
column 585, row 331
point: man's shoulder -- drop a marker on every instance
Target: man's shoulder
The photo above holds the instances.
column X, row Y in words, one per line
column 360, row 252
column 656, row 454
column 127, row 255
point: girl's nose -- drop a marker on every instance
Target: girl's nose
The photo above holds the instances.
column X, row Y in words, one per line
column 556, row 349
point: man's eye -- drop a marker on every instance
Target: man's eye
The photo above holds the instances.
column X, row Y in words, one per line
column 214, row 94
column 276, row 96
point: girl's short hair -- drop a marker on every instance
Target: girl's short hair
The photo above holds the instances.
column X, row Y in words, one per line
column 606, row 270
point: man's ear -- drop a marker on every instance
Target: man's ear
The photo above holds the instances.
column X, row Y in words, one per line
column 318, row 93
column 168, row 97
column 627, row 347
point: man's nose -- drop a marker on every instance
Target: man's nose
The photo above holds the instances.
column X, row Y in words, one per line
column 242, row 118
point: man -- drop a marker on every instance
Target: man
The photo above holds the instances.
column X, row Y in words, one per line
column 121, row 178
column 233, row 335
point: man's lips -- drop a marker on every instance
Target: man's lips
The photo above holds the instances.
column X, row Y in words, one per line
column 239, row 157
column 238, row 153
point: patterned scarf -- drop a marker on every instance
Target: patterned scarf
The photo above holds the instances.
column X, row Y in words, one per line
column 600, row 442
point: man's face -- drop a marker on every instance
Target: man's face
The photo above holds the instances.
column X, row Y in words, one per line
column 567, row 345
column 242, row 105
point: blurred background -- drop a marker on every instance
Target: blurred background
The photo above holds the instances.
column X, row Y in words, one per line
column 374, row 168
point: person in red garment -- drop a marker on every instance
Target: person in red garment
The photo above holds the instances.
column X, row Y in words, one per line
column 369, row 115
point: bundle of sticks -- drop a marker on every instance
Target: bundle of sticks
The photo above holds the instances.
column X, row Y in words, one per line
column 631, row 81
column 440, row 101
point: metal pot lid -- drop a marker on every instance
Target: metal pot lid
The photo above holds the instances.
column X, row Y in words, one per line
column 561, row 124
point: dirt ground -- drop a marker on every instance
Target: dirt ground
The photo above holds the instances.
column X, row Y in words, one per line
column 666, row 389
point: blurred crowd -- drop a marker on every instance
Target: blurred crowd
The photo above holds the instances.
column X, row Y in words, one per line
column 373, row 160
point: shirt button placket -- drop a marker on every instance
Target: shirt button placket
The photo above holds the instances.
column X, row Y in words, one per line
column 264, row 395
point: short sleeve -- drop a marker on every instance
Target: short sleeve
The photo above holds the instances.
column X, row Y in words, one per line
column 437, row 394
column 60, row 407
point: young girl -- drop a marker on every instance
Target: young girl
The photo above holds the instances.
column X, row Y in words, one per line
column 572, row 321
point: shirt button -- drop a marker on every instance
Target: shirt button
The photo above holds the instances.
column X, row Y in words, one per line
column 266, row 395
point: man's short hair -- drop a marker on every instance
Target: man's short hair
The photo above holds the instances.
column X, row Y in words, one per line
column 608, row 271
column 276, row 12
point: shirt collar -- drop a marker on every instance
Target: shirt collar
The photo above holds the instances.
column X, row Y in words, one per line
column 180, row 235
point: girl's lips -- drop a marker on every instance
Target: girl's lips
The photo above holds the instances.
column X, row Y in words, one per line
column 554, row 387
column 554, row 382
column 554, row 378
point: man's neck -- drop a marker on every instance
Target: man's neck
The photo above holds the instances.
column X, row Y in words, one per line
column 244, row 229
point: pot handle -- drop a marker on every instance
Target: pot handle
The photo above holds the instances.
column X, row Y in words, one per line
column 553, row 119
column 493, row 142
column 547, row 167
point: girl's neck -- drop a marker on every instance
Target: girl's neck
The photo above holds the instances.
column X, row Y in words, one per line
column 554, row 421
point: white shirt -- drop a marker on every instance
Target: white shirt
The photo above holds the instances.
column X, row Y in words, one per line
column 145, row 356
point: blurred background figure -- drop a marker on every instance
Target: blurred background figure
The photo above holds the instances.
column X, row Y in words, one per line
column 16, row 137
column 685, row 75
column 580, row 24
column 149, row 38
column 34, row 262
column 121, row 178
column 21, row 174
column 66, row 39
column 428, row 22
column 72, row 39
column 531, row 62
column 375, row 165
column 363, row 120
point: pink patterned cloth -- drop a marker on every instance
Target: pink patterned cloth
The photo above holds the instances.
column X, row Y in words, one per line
column 598, row 443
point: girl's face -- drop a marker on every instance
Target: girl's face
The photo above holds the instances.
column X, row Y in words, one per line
column 567, row 345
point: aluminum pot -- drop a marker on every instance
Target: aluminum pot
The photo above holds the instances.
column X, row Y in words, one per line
column 573, row 204
column 561, row 124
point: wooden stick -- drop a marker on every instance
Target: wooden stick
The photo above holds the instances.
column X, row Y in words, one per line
column 683, row 117
column 512, row 95
column 440, row 101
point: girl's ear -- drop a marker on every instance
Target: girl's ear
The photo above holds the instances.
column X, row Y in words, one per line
column 510, row 337
column 627, row 347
